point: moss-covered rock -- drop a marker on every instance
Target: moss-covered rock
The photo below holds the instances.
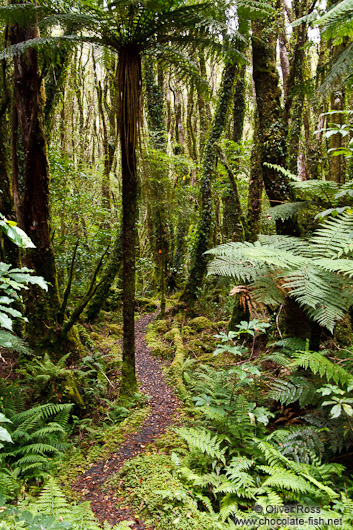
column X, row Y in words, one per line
column 146, row 304
column 200, row 323
column 222, row 324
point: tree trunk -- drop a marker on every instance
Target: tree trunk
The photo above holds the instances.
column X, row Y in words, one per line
column 8, row 250
column 110, row 271
column 42, row 308
column 129, row 88
column 158, row 213
column 206, row 223
column 294, row 101
column 272, row 134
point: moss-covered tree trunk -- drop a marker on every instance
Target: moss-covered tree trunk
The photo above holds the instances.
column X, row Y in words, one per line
column 129, row 93
column 295, row 97
column 256, row 185
column 110, row 272
column 159, row 218
column 272, row 132
column 206, row 223
column 42, row 308
column 8, row 251
column 232, row 212
column 203, row 107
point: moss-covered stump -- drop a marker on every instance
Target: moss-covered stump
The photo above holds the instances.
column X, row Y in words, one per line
column 114, row 300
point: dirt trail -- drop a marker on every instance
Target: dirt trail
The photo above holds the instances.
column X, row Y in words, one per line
column 163, row 405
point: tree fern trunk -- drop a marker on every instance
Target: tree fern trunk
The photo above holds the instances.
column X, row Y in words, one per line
column 129, row 87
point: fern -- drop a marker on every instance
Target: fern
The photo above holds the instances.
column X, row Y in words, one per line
column 36, row 440
column 296, row 389
column 285, row 211
column 319, row 364
column 281, row 478
column 203, row 441
column 333, row 238
column 275, row 267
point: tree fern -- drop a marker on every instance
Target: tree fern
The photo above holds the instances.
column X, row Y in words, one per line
column 275, row 267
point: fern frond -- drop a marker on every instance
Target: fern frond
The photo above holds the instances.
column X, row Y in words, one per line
column 319, row 364
column 285, row 211
column 340, row 72
column 333, row 238
column 203, row 441
column 282, row 478
column 296, row 389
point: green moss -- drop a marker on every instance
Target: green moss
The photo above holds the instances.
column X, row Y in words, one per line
column 116, row 329
column 343, row 333
column 169, row 335
column 222, row 324
column 196, row 345
column 176, row 368
column 101, row 441
column 187, row 331
column 155, row 343
column 146, row 305
column 161, row 326
column 200, row 323
column 152, row 486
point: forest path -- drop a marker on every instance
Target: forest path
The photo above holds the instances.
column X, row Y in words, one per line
column 105, row 504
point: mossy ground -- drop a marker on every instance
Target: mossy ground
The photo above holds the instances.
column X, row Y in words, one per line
column 98, row 442
column 152, row 486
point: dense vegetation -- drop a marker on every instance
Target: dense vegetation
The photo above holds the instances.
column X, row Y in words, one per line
column 191, row 161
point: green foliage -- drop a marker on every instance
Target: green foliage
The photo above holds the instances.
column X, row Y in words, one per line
column 37, row 437
column 53, row 380
column 50, row 511
column 15, row 234
column 13, row 280
column 279, row 266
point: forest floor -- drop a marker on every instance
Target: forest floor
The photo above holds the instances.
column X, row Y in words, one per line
column 163, row 404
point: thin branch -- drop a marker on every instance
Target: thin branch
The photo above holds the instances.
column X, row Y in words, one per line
column 90, row 293
column 61, row 313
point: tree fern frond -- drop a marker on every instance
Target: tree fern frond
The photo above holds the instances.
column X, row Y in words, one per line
column 334, row 236
column 285, row 211
column 340, row 72
column 338, row 14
